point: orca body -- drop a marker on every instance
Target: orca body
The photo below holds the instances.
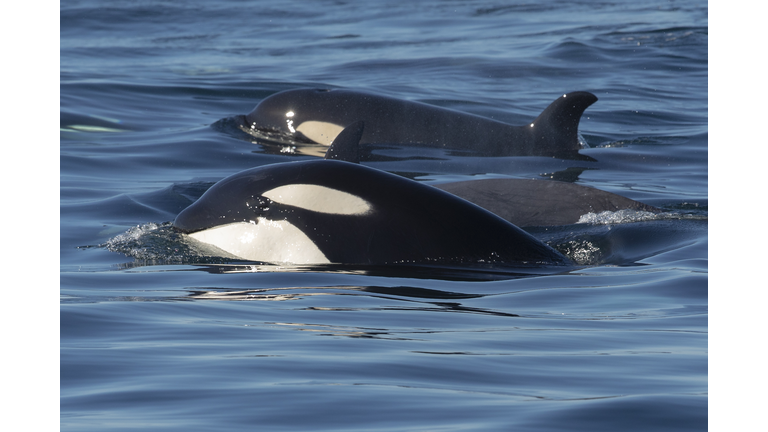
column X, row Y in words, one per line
column 522, row 202
column 319, row 115
column 526, row 203
column 336, row 212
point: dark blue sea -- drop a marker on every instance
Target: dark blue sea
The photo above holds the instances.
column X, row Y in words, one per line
column 156, row 337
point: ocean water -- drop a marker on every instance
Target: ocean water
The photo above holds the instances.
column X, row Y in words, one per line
column 155, row 336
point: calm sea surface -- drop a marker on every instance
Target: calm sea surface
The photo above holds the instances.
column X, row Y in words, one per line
column 155, row 337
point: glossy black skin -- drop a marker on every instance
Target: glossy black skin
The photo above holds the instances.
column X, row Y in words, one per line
column 396, row 121
column 522, row 202
column 410, row 223
column 525, row 202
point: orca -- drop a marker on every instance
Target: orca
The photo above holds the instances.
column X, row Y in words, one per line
column 522, row 202
column 337, row 212
column 529, row 203
column 319, row 115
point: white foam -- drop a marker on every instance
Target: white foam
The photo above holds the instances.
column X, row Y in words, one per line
column 620, row 216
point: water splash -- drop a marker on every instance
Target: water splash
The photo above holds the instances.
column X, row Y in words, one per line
column 153, row 243
column 620, row 216
column 582, row 252
column 628, row 216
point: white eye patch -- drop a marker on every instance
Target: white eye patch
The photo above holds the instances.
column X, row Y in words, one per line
column 320, row 132
column 319, row 199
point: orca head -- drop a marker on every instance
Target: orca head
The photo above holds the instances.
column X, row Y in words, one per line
column 249, row 215
column 300, row 113
column 267, row 213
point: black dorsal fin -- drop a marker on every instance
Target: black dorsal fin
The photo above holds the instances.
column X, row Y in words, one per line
column 556, row 129
column 346, row 145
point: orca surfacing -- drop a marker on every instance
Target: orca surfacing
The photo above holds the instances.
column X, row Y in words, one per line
column 336, row 212
column 318, row 115
column 326, row 211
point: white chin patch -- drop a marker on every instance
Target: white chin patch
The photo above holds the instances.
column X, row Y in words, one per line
column 266, row 241
column 320, row 132
column 319, row 199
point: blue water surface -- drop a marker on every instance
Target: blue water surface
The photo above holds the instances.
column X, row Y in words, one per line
column 155, row 336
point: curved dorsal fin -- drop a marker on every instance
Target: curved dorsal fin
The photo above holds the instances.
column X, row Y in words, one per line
column 346, row 145
column 556, row 129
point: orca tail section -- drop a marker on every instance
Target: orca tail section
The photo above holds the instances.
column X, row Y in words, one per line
column 346, row 145
column 555, row 130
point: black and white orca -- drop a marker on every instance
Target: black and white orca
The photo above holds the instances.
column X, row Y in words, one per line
column 319, row 115
column 338, row 212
